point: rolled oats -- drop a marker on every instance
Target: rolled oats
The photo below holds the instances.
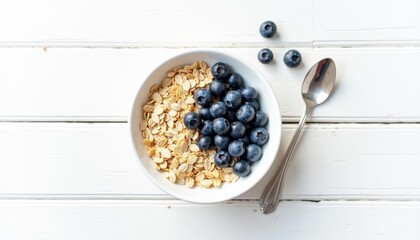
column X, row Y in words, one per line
column 183, row 167
column 172, row 176
column 157, row 97
column 170, row 145
column 175, row 106
column 206, row 183
column 189, row 182
column 217, row 182
column 148, row 108
column 158, row 160
column 163, row 165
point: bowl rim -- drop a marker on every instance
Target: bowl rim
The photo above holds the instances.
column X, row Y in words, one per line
column 133, row 109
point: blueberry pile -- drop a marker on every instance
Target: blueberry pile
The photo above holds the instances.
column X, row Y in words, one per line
column 229, row 120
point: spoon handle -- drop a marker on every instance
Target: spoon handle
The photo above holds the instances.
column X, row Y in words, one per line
column 271, row 195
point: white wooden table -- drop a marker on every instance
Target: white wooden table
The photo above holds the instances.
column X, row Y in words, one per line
column 68, row 73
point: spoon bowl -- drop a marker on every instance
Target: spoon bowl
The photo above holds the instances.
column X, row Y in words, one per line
column 316, row 88
column 319, row 82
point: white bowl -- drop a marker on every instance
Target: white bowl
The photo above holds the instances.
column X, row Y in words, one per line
column 268, row 104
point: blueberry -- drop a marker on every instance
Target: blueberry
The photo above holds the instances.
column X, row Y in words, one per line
column 206, row 128
column 231, row 115
column 221, row 142
column 236, row 148
column 245, row 113
column 253, row 152
column 218, row 109
column 245, row 139
column 268, row 29
column 234, row 81
column 203, row 97
column 237, row 129
column 218, row 88
column 192, row 120
column 222, row 159
column 241, row 168
column 292, row 58
column 221, row 126
column 232, row 99
column 254, row 103
column 259, row 136
column 265, row 56
column 260, row 119
column 220, row 70
column 205, row 142
column 249, row 94
column 205, row 113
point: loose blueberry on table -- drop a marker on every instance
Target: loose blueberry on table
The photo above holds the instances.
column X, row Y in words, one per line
column 268, row 29
column 292, row 58
column 265, row 56
column 229, row 120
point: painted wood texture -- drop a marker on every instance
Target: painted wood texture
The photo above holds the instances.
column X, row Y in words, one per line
column 186, row 23
column 333, row 161
column 99, row 84
column 65, row 62
column 367, row 22
column 133, row 219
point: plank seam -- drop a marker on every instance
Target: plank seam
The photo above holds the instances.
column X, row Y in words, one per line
column 103, row 197
column 188, row 45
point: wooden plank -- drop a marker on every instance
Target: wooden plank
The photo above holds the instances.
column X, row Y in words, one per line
column 333, row 161
column 151, row 23
column 81, row 23
column 59, row 84
column 368, row 22
column 69, row 159
column 95, row 219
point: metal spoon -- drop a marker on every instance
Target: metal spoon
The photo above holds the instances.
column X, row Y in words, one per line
column 316, row 88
